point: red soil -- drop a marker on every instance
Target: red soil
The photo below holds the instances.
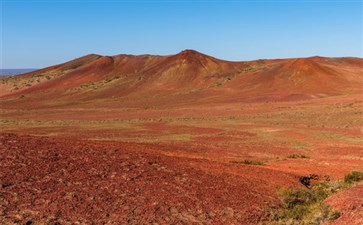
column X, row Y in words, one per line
column 59, row 180
column 349, row 203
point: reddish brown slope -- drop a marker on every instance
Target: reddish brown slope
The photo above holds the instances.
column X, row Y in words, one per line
column 188, row 75
column 65, row 66
column 349, row 203
column 137, row 76
column 16, row 84
column 303, row 77
column 190, row 69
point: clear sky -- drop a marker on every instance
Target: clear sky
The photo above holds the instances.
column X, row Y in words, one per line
column 35, row 34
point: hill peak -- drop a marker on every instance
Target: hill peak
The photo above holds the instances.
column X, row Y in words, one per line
column 189, row 51
column 189, row 54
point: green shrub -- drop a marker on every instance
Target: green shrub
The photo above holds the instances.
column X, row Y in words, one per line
column 321, row 192
column 354, row 176
column 305, row 205
column 293, row 198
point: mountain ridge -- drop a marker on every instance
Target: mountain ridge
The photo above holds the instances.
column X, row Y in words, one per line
column 146, row 76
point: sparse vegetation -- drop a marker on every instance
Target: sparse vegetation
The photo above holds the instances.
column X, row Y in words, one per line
column 98, row 84
column 249, row 162
column 109, row 79
column 297, row 156
column 333, row 215
column 354, row 176
column 14, row 83
column 248, row 68
column 306, row 206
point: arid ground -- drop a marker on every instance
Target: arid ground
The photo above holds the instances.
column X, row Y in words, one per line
column 180, row 139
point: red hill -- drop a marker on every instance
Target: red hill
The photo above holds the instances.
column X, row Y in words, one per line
column 186, row 76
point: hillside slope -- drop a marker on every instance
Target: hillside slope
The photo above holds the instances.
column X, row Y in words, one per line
column 186, row 76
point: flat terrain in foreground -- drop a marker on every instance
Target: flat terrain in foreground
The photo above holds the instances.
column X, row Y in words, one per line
column 175, row 164
column 49, row 180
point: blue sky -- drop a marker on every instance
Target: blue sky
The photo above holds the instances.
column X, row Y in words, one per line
column 36, row 34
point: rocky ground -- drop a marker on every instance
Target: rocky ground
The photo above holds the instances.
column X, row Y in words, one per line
column 65, row 181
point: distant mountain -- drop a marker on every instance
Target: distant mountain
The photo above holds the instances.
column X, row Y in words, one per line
column 188, row 76
column 12, row 72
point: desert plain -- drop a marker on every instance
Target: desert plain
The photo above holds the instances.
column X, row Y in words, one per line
column 179, row 139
